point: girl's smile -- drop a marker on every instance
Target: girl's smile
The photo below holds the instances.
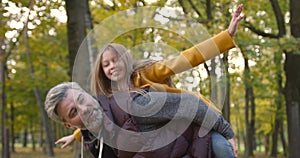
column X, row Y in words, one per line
column 112, row 65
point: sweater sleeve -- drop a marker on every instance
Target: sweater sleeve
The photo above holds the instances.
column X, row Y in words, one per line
column 160, row 107
column 190, row 58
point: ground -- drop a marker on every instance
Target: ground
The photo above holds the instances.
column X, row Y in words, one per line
column 28, row 153
column 68, row 153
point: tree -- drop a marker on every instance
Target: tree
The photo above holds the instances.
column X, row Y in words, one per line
column 204, row 14
column 249, row 109
column 292, row 85
column 19, row 85
column 78, row 13
column 37, row 92
column 4, row 116
column 4, row 128
column 79, row 20
column 291, row 88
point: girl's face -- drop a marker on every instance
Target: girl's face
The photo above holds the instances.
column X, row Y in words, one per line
column 113, row 66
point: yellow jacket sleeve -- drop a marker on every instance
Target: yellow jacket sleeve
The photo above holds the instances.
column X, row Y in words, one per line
column 187, row 59
column 155, row 75
column 77, row 135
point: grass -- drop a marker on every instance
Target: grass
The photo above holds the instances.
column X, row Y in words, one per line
column 261, row 155
column 28, row 153
column 69, row 153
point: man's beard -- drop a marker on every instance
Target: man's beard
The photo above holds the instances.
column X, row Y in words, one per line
column 92, row 118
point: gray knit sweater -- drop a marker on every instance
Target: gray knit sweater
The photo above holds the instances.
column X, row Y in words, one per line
column 154, row 110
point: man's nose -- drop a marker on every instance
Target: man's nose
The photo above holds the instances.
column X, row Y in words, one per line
column 82, row 109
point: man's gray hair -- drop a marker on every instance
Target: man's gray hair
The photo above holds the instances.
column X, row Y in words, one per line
column 55, row 96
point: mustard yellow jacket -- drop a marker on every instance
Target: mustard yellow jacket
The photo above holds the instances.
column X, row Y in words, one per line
column 154, row 76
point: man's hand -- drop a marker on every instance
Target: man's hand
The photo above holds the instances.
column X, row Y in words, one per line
column 232, row 143
column 236, row 18
column 67, row 140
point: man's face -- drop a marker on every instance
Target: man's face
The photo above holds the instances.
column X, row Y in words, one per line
column 80, row 110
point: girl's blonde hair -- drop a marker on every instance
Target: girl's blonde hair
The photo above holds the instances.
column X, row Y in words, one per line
column 101, row 85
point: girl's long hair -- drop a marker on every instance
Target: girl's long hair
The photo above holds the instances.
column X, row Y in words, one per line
column 100, row 84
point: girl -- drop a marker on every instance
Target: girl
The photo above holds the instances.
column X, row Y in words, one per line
column 111, row 74
column 115, row 71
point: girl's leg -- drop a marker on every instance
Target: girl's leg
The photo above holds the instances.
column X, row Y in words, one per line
column 220, row 146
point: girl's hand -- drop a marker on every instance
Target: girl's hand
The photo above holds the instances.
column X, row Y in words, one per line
column 232, row 143
column 67, row 140
column 236, row 18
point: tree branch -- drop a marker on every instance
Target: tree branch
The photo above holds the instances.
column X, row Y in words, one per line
column 13, row 44
column 144, row 3
column 195, row 8
column 207, row 69
column 208, row 10
column 259, row 32
column 279, row 18
column 182, row 6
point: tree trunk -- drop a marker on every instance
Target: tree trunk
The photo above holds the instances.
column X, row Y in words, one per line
column 252, row 120
column 292, row 86
column 292, row 97
column 93, row 50
column 4, row 129
column 41, row 142
column 279, row 114
column 281, row 132
column 32, row 136
column 239, row 135
column 226, row 89
column 267, row 143
column 25, row 134
column 54, row 130
column 275, row 139
column 77, row 11
column 249, row 110
column 12, row 119
column 37, row 93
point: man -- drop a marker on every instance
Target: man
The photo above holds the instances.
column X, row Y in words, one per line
column 138, row 125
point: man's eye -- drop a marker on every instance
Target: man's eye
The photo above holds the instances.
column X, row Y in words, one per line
column 80, row 99
column 73, row 113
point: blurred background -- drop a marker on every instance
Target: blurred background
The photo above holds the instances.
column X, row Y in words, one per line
column 258, row 91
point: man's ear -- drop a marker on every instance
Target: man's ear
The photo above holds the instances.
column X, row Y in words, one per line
column 69, row 126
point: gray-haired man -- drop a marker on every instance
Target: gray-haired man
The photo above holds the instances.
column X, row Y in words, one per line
column 148, row 125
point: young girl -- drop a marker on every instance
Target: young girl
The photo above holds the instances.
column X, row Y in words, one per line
column 126, row 75
column 115, row 71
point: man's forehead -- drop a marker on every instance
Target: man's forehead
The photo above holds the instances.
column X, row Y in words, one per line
column 73, row 92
